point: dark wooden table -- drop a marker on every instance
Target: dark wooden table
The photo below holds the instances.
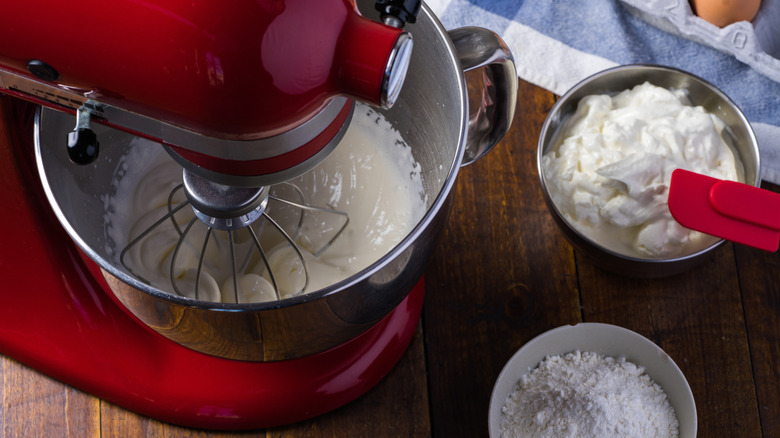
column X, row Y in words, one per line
column 501, row 275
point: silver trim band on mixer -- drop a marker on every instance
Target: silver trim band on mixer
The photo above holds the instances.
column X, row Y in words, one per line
column 247, row 150
column 269, row 178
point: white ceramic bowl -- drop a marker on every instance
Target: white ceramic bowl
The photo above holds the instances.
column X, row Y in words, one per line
column 604, row 339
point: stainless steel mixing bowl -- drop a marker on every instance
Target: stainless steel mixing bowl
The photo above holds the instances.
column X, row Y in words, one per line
column 613, row 81
column 432, row 114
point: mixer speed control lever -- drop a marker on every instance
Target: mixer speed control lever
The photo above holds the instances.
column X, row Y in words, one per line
column 83, row 145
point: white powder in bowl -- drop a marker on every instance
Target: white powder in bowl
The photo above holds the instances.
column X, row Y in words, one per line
column 584, row 394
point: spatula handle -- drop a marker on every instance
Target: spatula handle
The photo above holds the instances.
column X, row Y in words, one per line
column 691, row 204
column 746, row 203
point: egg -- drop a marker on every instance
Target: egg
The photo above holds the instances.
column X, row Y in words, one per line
column 724, row 12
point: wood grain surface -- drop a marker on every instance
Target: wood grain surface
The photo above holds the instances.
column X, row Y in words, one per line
column 501, row 275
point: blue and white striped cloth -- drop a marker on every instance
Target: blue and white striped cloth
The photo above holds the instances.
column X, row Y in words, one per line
column 557, row 43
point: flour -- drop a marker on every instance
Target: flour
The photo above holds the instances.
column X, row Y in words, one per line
column 584, row 394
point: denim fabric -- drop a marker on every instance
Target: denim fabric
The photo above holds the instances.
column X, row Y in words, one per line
column 612, row 30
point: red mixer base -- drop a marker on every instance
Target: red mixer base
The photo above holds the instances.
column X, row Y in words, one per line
column 59, row 320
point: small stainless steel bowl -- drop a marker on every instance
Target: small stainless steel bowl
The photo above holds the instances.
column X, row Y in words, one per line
column 613, row 81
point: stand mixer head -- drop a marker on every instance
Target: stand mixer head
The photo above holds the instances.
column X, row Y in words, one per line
column 247, row 95
column 241, row 97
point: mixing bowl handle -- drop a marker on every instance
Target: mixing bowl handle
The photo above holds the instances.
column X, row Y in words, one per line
column 478, row 47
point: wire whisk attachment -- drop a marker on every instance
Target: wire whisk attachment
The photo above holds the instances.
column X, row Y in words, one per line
column 233, row 244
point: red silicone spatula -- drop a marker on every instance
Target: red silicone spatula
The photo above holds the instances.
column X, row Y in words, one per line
column 730, row 210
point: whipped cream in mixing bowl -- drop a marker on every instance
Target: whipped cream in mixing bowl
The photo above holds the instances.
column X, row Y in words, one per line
column 371, row 175
column 610, row 171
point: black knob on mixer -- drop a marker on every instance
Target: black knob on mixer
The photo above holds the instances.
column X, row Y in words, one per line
column 42, row 70
column 83, row 146
column 398, row 12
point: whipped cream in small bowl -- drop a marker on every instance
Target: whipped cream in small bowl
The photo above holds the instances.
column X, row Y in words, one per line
column 606, row 154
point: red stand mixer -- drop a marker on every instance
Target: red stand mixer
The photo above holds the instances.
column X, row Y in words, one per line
column 243, row 98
